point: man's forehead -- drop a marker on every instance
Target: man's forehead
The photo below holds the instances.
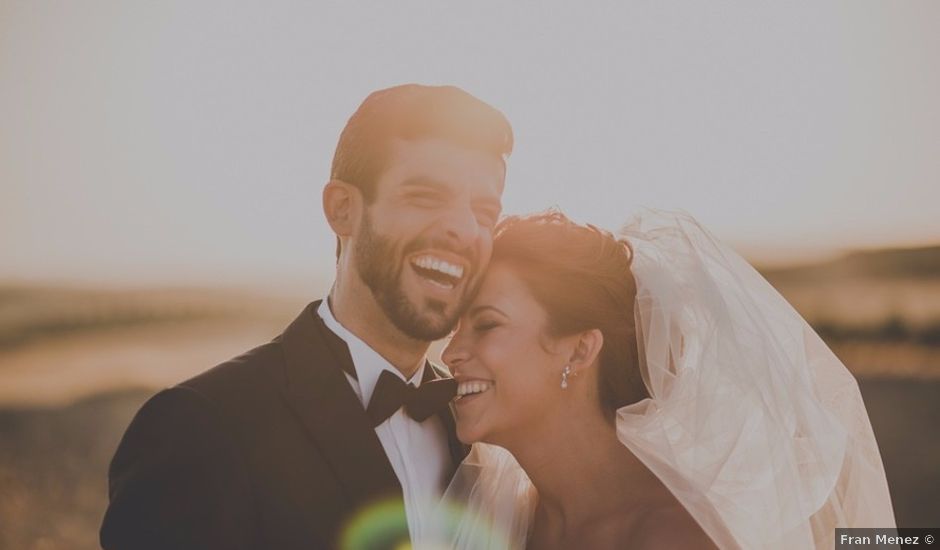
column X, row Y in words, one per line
column 440, row 163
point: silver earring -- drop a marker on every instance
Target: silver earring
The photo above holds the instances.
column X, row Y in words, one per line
column 564, row 377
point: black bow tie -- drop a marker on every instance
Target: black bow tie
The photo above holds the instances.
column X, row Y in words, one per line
column 392, row 393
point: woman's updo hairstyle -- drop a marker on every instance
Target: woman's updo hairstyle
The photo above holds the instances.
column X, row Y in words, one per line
column 581, row 276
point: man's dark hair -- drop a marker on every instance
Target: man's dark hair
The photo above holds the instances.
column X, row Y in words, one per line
column 409, row 112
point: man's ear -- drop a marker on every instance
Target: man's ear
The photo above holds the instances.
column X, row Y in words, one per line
column 586, row 350
column 342, row 206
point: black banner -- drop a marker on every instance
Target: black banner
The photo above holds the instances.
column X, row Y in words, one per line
column 890, row 538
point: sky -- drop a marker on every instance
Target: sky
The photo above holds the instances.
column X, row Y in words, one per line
column 188, row 142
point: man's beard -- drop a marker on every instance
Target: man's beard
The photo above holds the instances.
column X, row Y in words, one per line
column 375, row 259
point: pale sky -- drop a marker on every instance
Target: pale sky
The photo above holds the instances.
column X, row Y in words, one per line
column 154, row 142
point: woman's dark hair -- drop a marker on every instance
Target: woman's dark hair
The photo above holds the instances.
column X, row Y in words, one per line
column 581, row 276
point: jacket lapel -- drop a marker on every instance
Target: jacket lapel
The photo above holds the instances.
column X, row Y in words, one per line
column 458, row 451
column 317, row 390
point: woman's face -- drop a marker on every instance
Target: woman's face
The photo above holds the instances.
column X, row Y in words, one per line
column 508, row 370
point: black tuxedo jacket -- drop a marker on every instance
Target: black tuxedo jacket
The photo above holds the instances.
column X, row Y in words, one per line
column 271, row 450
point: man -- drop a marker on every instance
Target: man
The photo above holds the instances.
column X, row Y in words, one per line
column 311, row 440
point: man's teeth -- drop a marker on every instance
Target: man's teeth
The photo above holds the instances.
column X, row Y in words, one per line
column 437, row 264
column 469, row 388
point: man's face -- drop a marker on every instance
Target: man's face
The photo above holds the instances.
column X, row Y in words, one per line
column 426, row 238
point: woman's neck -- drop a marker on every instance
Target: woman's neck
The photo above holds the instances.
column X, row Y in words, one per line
column 580, row 470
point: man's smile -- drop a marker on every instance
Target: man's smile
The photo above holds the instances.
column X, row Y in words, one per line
column 443, row 270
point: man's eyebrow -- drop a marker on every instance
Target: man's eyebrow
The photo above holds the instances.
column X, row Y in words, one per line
column 432, row 183
column 426, row 183
column 478, row 309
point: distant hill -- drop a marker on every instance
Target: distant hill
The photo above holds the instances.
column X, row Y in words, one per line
column 892, row 263
column 889, row 296
column 28, row 312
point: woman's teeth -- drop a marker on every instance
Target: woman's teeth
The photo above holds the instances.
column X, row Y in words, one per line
column 472, row 388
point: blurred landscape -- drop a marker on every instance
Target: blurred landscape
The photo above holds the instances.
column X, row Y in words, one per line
column 77, row 362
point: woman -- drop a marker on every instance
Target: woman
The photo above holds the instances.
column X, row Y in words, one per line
column 651, row 392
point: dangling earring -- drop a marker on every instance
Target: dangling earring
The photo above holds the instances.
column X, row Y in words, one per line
column 564, row 377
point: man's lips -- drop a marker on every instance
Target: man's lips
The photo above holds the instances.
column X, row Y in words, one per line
column 444, row 269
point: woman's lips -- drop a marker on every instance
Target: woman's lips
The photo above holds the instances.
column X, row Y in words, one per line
column 472, row 388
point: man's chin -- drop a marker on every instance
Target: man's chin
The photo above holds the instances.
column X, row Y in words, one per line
column 429, row 321
column 418, row 315
column 431, row 327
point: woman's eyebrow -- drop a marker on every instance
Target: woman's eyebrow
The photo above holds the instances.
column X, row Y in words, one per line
column 478, row 309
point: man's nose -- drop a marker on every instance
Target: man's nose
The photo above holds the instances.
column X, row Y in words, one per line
column 461, row 227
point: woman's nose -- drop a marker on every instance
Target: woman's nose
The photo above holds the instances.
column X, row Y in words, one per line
column 454, row 353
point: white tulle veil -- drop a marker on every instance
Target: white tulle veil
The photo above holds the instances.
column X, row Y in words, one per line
column 753, row 423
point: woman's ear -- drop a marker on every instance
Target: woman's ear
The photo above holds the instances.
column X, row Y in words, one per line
column 342, row 206
column 586, row 350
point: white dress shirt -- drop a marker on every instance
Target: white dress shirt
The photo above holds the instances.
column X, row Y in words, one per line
column 417, row 451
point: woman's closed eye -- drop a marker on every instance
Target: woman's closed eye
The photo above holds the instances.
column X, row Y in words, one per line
column 484, row 326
